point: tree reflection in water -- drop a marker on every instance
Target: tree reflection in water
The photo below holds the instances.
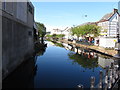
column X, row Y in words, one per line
column 57, row 44
column 84, row 60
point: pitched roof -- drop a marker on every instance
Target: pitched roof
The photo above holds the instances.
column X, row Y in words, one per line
column 108, row 16
column 88, row 23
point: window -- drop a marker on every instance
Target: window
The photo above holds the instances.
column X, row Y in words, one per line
column 3, row 5
column 8, row 7
column 30, row 33
column 29, row 8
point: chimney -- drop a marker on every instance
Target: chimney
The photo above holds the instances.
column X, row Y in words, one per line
column 115, row 10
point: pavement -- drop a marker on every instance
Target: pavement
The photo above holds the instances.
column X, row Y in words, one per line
column 96, row 48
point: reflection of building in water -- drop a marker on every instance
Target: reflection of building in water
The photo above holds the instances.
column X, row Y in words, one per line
column 23, row 76
column 79, row 50
column 104, row 62
column 66, row 46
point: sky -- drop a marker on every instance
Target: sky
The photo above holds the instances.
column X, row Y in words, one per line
column 66, row 14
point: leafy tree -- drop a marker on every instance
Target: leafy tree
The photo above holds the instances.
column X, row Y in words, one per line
column 60, row 35
column 91, row 29
column 75, row 31
column 41, row 29
column 48, row 35
column 86, row 30
column 55, row 36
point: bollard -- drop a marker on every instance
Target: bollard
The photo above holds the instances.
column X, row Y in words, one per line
column 92, row 82
column 112, row 65
column 100, row 80
column 106, row 78
column 80, row 86
column 106, row 86
column 110, row 79
column 117, row 72
column 113, row 73
column 106, row 75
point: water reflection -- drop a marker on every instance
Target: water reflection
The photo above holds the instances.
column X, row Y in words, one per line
column 56, row 67
column 23, row 76
column 40, row 48
column 83, row 60
column 104, row 61
column 57, row 44
column 87, row 58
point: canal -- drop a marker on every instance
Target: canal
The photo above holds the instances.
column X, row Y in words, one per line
column 58, row 66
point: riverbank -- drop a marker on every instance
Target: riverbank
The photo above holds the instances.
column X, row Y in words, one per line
column 94, row 48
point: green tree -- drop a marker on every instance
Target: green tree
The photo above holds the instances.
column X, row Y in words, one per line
column 42, row 30
column 60, row 35
column 86, row 30
column 91, row 29
column 75, row 31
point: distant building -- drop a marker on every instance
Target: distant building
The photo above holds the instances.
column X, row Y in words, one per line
column 108, row 24
column 65, row 31
column 17, row 34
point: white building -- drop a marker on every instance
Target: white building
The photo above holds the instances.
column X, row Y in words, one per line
column 65, row 31
column 108, row 24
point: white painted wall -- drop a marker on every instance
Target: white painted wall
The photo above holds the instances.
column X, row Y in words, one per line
column 104, row 25
column 111, row 25
column 107, row 42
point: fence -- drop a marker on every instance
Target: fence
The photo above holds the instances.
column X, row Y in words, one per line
column 107, row 81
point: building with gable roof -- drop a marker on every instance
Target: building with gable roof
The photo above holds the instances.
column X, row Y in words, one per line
column 109, row 30
column 109, row 23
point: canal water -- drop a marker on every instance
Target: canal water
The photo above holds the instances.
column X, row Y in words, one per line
column 58, row 66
